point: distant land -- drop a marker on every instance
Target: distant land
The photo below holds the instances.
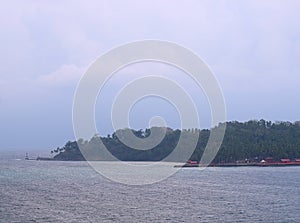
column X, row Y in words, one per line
column 249, row 141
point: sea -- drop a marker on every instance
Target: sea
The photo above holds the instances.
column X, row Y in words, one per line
column 57, row 191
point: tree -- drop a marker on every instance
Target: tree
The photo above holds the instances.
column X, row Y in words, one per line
column 251, row 140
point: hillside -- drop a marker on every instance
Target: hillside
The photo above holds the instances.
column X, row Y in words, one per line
column 252, row 140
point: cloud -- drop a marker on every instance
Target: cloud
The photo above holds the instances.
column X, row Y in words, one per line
column 252, row 46
column 23, row 93
column 65, row 75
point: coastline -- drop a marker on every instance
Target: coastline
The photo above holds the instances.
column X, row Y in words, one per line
column 273, row 164
column 191, row 165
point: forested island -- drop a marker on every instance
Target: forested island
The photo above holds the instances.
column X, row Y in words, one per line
column 252, row 141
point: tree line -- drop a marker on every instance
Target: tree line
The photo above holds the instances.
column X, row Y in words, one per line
column 253, row 140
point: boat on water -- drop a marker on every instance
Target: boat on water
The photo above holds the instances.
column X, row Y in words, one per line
column 189, row 163
column 38, row 158
column 27, row 157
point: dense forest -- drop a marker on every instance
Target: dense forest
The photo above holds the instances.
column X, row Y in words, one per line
column 252, row 140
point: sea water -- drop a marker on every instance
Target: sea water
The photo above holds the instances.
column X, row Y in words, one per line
column 51, row 191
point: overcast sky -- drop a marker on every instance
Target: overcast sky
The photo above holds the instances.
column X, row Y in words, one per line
column 252, row 47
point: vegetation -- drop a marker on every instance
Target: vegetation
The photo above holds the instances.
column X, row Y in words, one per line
column 252, row 140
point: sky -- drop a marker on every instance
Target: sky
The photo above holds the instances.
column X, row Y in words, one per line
column 252, row 47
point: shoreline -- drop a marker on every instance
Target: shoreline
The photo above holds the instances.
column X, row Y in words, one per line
column 274, row 164
column 191, row 165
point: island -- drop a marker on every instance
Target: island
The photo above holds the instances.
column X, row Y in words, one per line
column 255, row 142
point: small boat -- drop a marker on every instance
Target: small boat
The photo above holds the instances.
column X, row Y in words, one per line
column 27, row 158
column 189, row 163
